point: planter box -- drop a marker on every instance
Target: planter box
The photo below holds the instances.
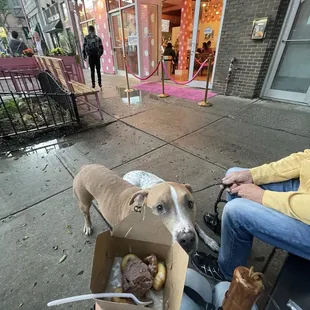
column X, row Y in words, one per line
column 17, row 63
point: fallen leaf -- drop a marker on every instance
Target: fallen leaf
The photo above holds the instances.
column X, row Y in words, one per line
column 35, row 284
column 62, row 259
column 81, row 272
column 69, row 226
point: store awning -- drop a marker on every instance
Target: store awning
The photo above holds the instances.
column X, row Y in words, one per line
column 55, row 26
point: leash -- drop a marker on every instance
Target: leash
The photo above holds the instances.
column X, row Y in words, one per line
column 212, row 220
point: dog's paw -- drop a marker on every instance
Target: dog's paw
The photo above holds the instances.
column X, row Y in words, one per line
column 87, row 230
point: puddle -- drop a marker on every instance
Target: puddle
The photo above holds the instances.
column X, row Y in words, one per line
column 42, row 148
column 135, row 97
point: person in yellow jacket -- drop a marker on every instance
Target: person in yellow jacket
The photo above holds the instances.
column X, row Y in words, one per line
column 270, row 202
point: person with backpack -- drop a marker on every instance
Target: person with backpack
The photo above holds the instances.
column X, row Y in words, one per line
column 16, row 46
column 93, row 49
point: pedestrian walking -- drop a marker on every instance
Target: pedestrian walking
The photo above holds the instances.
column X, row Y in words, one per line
column 93, row 49
column 16, row 46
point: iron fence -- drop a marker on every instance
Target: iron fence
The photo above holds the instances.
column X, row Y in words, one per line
column 19, row 81
column 26, row 112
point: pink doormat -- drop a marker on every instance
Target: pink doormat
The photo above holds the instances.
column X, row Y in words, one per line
column 194, row 94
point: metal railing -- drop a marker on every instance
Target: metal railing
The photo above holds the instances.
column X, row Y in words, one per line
column 19, row 81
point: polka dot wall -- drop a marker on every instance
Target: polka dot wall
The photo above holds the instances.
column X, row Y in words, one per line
column 186, row 25
column 148, row 24
column 101, row 18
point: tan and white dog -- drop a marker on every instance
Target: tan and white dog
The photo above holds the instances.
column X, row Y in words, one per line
column 116, row 198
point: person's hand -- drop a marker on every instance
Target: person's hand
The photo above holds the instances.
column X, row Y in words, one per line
column 236, row 178
column 249, row 191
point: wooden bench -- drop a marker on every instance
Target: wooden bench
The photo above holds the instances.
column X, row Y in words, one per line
column 56, row 67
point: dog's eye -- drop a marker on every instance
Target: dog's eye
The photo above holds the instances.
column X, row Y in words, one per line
column 160, row 208
column 190, row 204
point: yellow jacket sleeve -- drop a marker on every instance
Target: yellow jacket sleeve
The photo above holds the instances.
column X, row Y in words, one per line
column 285, row 169
column 293, row 204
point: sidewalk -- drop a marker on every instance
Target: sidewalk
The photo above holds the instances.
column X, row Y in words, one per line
column 173, row 138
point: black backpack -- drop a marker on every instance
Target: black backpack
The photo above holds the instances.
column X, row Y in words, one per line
column 92, row 47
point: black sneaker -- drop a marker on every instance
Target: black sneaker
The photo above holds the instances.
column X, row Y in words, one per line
column 207, row 265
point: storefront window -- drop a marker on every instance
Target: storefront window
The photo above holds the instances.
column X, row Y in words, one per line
column 131, row 38
column 86, row 9
column 64, row 11
column 113, row 4
column 127, row 2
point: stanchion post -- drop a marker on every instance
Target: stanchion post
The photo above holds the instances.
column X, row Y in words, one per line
column 162, row 95
column 205, row 102
column 128, row 89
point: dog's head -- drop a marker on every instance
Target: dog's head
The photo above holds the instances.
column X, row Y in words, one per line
column 175, row 205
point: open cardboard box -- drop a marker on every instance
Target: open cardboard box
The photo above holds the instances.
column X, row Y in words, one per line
column 141, row 234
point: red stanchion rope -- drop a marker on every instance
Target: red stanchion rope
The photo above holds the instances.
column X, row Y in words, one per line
column 199, row 63
column 138, row 77
column 184, row 83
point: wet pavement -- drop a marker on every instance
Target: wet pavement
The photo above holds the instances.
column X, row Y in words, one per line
column 173, row 138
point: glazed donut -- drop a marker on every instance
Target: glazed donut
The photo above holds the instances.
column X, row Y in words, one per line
column 126, row 259
column 121, row 300
column 160, row 278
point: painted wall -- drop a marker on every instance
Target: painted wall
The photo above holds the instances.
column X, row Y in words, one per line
column 101, row 18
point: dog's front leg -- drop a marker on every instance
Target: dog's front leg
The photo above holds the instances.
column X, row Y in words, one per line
column 87, row 230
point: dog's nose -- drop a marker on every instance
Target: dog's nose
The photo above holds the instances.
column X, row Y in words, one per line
column 187, row 240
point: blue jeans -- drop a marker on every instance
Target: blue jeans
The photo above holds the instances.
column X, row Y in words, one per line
column 201, row 285
column 244, row 219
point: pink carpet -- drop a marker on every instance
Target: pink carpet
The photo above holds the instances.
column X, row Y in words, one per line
column 194, row 94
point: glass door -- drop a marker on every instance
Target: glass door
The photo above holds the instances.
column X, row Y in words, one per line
column 193, row 46
column 117, row 41
column 149, row 32
column 289, row 78
column 131, row 37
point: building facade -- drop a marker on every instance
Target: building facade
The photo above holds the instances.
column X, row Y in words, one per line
column 51, row 19
column 262, row 37
column 15, row 21
column 259, row 47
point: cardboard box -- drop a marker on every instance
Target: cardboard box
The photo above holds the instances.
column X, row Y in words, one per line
column 141, row 234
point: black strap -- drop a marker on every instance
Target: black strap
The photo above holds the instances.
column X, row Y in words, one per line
column 196, row 297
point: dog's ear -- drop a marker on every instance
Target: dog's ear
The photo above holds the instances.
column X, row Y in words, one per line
column 139, row 197
column 189, row 187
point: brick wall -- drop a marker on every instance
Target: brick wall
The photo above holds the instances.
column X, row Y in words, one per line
column 253, row 56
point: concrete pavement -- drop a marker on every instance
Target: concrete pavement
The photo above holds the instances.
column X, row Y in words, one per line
column 173, row 138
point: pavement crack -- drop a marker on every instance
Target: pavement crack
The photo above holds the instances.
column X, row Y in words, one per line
column 165, row 144
column 34, row 204
column 205, row 126
column 268, row 127
column 137, row 157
